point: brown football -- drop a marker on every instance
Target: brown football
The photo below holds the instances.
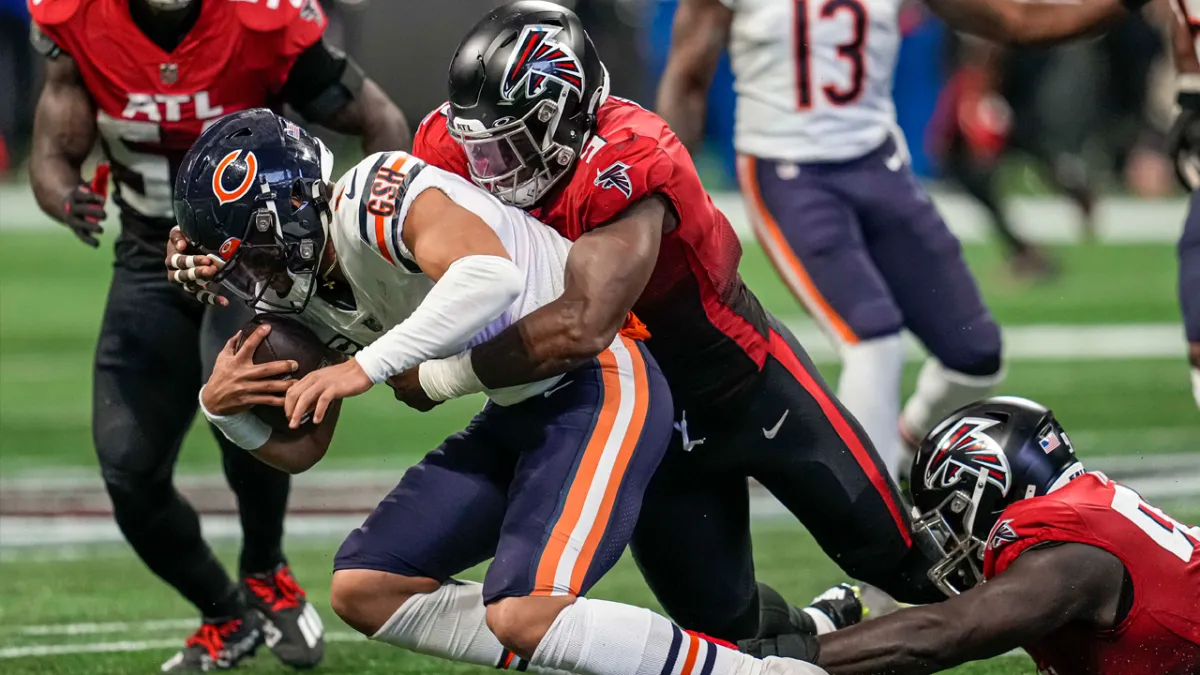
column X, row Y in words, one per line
column 288, row 340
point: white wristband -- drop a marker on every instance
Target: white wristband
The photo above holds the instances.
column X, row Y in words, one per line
column 444, row 379
column 244, row 429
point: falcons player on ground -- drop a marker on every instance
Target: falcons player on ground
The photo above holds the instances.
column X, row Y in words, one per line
column 146, row 76
column 1081, row 572
column 530, row 120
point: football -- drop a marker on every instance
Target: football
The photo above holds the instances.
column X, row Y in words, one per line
column 288, row 340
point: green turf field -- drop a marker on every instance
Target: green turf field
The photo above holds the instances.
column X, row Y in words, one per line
column 52, row 291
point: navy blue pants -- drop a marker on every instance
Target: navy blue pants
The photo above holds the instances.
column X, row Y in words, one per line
column 550, row 487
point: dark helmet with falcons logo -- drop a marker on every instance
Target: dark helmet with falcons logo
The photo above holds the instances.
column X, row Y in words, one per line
column 972, row 466
column 525, row 85
column 253, row 192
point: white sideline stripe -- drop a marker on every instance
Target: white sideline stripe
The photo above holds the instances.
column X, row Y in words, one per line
column 1046, row 342
column 103, row 627
column 127, row 646
column 1041, row 219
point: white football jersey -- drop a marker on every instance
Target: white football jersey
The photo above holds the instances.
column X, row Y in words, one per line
column 813, row 77
column 370, row 204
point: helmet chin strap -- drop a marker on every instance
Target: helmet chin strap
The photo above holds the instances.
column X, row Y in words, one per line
column 168, row 5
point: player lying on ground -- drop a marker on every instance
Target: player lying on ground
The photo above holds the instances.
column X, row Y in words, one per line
column 144, row 77
column 610, row 176
column 417, row 264
column 1079, row 570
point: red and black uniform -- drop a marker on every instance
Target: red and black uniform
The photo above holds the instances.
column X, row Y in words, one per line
column 1159, row 633
column 157, row 343
column 749, row 401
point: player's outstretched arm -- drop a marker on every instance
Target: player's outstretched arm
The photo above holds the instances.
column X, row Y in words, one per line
column 64, row 131
column 1041, row 591
column 1032, row 21
column 699, row 34
column 605, row 274
column 328, row 88
column 476, row 283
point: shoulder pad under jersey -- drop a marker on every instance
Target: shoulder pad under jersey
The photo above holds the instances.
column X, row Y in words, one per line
column 52, row 12
column 266, row 16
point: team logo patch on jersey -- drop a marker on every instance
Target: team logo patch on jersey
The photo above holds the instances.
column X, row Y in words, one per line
column 229, row 169
column 1002, row 535
column 537, row 59
column 966, row 449
column 615, row 176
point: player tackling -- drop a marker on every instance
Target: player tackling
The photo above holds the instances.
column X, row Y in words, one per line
column 415, row 265
column 1080, row 570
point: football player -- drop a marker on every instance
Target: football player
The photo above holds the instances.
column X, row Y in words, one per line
column 415, row 265
column 1080, row 570
column 144, row 77
column 530, row 120
column 824, row 170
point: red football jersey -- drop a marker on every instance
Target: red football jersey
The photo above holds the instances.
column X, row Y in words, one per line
column 151, row 105
column 1161, row 633
column 707, row 330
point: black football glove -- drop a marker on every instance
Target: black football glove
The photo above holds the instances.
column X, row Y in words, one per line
column 83, row 210
column 1184, row 140
column 793, row 646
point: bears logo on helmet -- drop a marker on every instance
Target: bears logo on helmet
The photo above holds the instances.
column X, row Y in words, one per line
column 230, row 164
column 538, row 58
column 966, row 449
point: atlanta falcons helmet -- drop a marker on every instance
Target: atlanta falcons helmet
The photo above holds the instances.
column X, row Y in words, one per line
column 525, row 85
column 253, row 191
column 971, row 467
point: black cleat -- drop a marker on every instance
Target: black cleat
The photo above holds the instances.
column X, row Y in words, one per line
column 218, row 645
column 293, row 629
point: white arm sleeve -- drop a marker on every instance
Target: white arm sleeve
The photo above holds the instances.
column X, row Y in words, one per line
column 473, row 292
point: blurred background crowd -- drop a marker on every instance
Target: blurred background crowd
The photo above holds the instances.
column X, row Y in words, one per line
column 1089, row 117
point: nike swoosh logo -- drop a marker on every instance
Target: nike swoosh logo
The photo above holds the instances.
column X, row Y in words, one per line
column 353, row 185
column 770, row 433
column 548, row 392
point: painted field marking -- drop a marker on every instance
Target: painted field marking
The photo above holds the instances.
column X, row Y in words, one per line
column 128, row 645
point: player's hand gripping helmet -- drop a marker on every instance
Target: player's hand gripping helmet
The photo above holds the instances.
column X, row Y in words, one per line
column 525, row 85
column 254, row 191
column 972, row 466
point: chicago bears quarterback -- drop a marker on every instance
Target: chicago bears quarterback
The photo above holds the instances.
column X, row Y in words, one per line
column 823, row 167
column 145, row 76
column 530, row 120
column 1080, row 570
column 415, row 265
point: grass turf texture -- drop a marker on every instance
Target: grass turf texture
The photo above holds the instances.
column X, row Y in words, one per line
column 52, row 292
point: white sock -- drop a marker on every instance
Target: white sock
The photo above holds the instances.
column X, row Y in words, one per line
column 940, row 391
column 869, row 387
column 450, row 623
column 596, row 637
column 1196, row 385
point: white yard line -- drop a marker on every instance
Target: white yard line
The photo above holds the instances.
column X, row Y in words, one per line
column 129, row 645
column 1042, row 219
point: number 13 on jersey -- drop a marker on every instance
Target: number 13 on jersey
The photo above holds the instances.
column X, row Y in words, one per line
column 830, row 45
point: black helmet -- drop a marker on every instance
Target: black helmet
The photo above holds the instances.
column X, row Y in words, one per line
column 253, row 191
column 525, row 85
column 972, row 466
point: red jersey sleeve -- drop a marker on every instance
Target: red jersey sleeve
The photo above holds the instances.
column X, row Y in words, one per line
column 1028, row 523
column 283, row 32
column 436, row 147
column 50, row 19
column 621, row 172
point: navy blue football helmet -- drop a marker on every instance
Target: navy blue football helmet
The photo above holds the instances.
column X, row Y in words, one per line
column 972, row 466
column 253, row 191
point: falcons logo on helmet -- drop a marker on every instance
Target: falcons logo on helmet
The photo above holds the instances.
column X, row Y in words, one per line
column 615, row 176
column 537, row 59
column 965, row 449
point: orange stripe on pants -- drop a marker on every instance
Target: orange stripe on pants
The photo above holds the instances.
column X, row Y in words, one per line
column 641, row 392
column 572, row 510
column 781, row 255
column 693, row 650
